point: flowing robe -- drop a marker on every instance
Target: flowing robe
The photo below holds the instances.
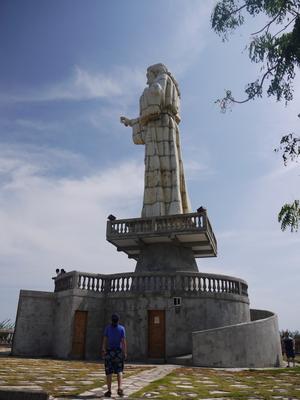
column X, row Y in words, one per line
column 157, row 128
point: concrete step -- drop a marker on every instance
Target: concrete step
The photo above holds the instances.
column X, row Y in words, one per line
column 155, row 361
column 186, row 359
column 17, row 393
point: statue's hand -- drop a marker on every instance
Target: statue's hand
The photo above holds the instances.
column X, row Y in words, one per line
column 125, row 121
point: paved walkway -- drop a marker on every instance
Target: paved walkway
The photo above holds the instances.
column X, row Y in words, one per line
column 130, row 385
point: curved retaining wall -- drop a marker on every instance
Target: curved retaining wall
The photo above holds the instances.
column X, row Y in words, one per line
column 253, row 344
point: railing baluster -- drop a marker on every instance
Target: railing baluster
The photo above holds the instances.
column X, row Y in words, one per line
column 174, row 282
column 209, row 285
column 213, row 285
column 204, row 285
column 193, row 284
column 186, row 283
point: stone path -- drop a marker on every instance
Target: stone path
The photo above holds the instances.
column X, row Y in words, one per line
column 130, row 385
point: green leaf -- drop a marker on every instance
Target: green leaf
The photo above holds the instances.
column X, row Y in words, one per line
column 289, row 216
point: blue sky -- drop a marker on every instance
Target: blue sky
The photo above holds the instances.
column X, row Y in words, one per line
column 69, row 69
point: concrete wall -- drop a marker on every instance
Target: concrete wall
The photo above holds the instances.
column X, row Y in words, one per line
column 45, row 323
column 197, row 312
column 34, row 324
column 68, row 302
column 252, row 344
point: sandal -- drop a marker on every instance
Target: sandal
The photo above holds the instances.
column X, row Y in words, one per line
column 107, row 394
column 120, row 392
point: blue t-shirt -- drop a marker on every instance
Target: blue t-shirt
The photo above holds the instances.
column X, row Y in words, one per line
column 114, row 334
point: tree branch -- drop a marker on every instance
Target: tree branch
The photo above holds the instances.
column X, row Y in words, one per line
column 268, row 24
column 259, row 87
column 238, row 9
column 295, row 12
column 283, row 29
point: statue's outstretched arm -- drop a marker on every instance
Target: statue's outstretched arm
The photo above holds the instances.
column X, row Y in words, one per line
column 128, row 122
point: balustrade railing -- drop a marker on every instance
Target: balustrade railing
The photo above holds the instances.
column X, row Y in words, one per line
column 195, row 226
column 132, row 282
column 193, row 221
column 6, row 337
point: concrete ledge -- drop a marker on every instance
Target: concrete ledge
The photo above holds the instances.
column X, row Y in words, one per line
column 254, row 344
column 231, row 297
column 14, row 393
column 36, row 293
column 34, row 324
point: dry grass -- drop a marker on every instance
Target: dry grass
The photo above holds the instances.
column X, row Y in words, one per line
column 56, row 377
column 67, row 378
column 187, row 383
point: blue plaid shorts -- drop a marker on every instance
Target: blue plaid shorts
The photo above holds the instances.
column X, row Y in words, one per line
column 114, row 361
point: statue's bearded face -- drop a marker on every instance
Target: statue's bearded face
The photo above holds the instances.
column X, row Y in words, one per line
column 150, row 77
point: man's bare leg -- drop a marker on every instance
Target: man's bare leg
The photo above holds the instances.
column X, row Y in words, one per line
column 119, row 377
column 108, row 381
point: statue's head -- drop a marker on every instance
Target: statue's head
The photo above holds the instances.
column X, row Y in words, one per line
column 158, row 69
column 154, row 70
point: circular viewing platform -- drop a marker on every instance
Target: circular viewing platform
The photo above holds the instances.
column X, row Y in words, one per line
column 192, row 231
column 192, row 282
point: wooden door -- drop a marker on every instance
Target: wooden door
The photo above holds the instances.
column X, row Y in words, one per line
column 79, row 334
column 156, row 333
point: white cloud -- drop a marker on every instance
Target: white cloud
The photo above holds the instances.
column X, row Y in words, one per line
column 196, row 170
column 18, row 161
column 47, row 222
column 83, row 85
column 255, row 249
column 37, row 125
column 190, row 36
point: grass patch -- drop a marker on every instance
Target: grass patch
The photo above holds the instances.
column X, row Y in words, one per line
column 57, row 377
column 185, row 383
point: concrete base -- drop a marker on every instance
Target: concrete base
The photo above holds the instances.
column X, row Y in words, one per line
column 205, row 315
column 166, row 257
column 38, row 336
column 15, row 393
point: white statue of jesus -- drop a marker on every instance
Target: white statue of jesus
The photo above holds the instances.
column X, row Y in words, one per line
column 157, row 128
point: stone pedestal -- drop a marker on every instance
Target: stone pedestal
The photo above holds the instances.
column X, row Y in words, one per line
column 166, row 257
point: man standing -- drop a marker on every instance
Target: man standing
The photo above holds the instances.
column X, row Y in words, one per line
column 289, row 348
column 114, row 351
